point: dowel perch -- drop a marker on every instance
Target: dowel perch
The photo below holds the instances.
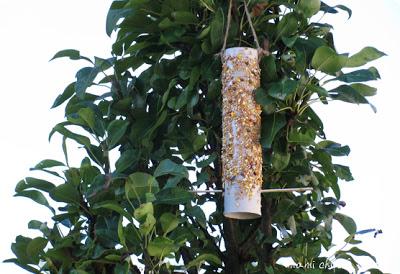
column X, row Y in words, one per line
column 272, row 190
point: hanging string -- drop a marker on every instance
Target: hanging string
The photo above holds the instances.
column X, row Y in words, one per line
column 228, row 25
column 251, row 26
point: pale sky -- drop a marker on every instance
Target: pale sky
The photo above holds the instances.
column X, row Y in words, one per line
column 32, row 31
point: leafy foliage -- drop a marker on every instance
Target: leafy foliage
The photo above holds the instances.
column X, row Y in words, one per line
column 156, row 102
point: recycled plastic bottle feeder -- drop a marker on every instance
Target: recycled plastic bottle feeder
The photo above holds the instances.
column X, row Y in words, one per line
column 241, row 126
column 241, row 123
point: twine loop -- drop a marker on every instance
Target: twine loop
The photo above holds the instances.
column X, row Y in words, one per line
column 260, row 50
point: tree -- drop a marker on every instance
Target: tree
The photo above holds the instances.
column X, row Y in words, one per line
column 156, row 102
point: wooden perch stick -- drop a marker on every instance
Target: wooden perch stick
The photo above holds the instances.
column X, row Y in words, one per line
column 272, row 190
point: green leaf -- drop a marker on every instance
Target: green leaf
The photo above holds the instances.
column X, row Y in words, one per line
column 217, row 29
column 71, row 54
column 359, row 252
column 344, row 8
column 111, row 205
column 147, row 225
column 333, row 148
column 361, row 75
column 267, row 102
column 48, row 163
column 343, row 172
column 282, row 89
column 327, row 60
column 204, row 258
column 374, row 271
column 66, row 193
column 364, row 89
column 169, row 167
column 198, row 213
column 35, row 196
column 366, row 55
column 303, row 137
column 138, row 184
column 287, row 25
column 19, row 249
column 78, row 271
column 142, row 211
column 328, row 9
column 116, row 130
column 161, row 247
column 184, row 17
column 116, row 12
column 173, row 196
column 67, row 93
column 309, row 7
column 348, row 94
column 30, row 182
column 168, row 222
column 271, row 125
column 128, row 159
column 348, row 223
column 290, row 41
column 322, row 93
column 106, row 233
column 210, row 159
column 104, row 64
column 280, row 160
column 35, row 247
column 122, row 268
column 84, row 79
column 60, row 128
column 87, row 114
column 268, row 70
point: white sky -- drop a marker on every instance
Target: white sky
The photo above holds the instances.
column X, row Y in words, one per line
column 32, row 31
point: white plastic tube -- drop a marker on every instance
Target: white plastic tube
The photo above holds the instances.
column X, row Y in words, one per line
column 241, row 123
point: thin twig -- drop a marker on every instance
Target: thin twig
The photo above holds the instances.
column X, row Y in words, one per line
column 299, row 189
column 207, row 191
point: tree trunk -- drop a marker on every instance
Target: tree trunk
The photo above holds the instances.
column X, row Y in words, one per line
column 233, row 263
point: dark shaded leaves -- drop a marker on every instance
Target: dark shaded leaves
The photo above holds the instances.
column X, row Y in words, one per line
column 282, row 89
column 217, row 30
column 271, row 124
column 361, row 75
column 117, row 11
column 173, row 196
column 169, row 167
column 115, row 130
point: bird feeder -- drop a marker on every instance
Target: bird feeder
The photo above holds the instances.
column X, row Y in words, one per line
column 241, row 124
